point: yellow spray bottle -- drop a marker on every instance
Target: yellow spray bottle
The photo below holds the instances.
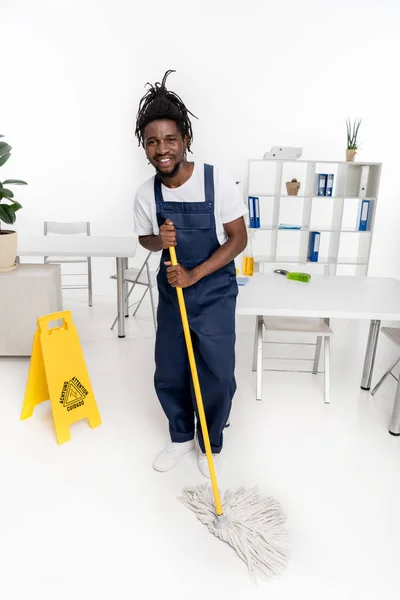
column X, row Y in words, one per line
column 248, row 257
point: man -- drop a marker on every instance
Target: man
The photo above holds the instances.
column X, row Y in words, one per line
column 197, row 209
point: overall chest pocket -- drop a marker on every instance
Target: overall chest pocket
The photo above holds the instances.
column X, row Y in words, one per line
column 191, row 221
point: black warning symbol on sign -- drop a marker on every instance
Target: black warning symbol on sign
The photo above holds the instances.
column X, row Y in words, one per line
column 73, row 393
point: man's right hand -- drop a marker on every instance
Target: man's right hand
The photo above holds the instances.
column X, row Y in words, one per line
column 167, row 235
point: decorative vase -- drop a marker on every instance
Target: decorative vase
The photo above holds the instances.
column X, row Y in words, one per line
column 8, row 250
column 350, row 154
column 292, row 187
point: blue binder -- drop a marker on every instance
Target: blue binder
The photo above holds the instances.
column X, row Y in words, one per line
column 313, row 246
column 364, row 214
column 254, row 212
column 329, row 184
column 320, row 184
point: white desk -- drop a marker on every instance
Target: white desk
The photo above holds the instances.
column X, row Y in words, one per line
column 120, row 248
column 372, row 298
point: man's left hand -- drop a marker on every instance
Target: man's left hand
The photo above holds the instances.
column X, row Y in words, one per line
column 178, row 276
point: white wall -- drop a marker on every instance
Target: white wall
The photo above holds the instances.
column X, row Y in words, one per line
column 255, row 72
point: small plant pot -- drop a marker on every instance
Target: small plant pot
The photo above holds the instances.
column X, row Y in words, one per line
column 292, row 188
column 350, row 155
column 8, row 250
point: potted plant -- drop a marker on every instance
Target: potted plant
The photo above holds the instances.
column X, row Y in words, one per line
column 8, row 208
column 352, row 139
column 293, row 187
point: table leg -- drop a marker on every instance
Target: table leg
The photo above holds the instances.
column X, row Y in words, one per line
column 317, row 355
column 120, row 297
column 126, row 290
column 394, row 427
column 259, row 355
column 255, row 346
column 370, row 353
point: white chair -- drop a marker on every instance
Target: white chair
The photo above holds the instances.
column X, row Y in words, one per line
column 145, row 277
column 393, row 334
column 309, row 327
column 77, row 228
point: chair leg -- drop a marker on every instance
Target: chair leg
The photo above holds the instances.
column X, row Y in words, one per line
column 127, row 298
column 327, row 368
column 259, row 339
column 140, row 301
column 153, row 307
column 130, row 292
column 394, row 426
column 317, row 355
column 382, row 379
column 90, row 288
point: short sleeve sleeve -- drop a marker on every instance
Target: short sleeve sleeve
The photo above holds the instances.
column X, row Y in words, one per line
column 231, row 202
column 142, row 216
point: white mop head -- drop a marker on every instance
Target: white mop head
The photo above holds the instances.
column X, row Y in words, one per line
column 255, row 526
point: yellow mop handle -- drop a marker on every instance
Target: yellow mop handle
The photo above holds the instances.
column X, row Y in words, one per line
column 197, row 391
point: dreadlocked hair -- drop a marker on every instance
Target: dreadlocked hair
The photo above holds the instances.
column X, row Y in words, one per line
column 160, row 103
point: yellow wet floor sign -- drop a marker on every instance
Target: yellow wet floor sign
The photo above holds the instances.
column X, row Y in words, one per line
column 58, row 373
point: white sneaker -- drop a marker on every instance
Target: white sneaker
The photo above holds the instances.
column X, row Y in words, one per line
column 169, row 457
column 203, row 464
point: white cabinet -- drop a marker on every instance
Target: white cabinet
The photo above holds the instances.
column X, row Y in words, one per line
column 28, row 292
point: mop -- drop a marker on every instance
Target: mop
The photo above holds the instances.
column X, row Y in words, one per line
column 254, row 527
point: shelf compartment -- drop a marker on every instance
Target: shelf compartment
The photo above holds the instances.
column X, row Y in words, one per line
column 339, row 172
column 362, row 180
column 293, row 170
column 352, row 212
column 355, row 246
column 291, row 209
column 264, row 244
column 262, row 177
column 326, row 213
column 289, row 243
column 268, row 213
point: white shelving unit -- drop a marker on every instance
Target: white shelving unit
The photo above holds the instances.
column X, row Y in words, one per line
column 344, row 250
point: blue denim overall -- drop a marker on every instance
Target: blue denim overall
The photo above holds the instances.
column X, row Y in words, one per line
column 210, row 304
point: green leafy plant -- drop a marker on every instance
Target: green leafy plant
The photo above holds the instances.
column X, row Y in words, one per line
column 352, row 134
column 8, row 205
column 294, row 180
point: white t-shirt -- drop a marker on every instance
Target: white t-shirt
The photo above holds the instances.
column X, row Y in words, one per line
column 228, row 204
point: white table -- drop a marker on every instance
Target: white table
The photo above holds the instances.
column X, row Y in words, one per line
column 121, row 248
column 331, row 297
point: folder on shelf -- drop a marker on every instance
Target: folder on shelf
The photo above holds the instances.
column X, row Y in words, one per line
column 320, row 184
column 364, row 181
column 288, row 226
column 329, row 185
column 364, row 214
column 254, row 212
column 313, row 246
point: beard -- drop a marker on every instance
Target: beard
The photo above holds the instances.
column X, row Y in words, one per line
column 172, row 173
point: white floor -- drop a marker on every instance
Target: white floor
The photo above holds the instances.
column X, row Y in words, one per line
column 91, row 519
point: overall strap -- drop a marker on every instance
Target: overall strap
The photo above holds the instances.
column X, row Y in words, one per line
column 157, row 190
column 209, row 183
